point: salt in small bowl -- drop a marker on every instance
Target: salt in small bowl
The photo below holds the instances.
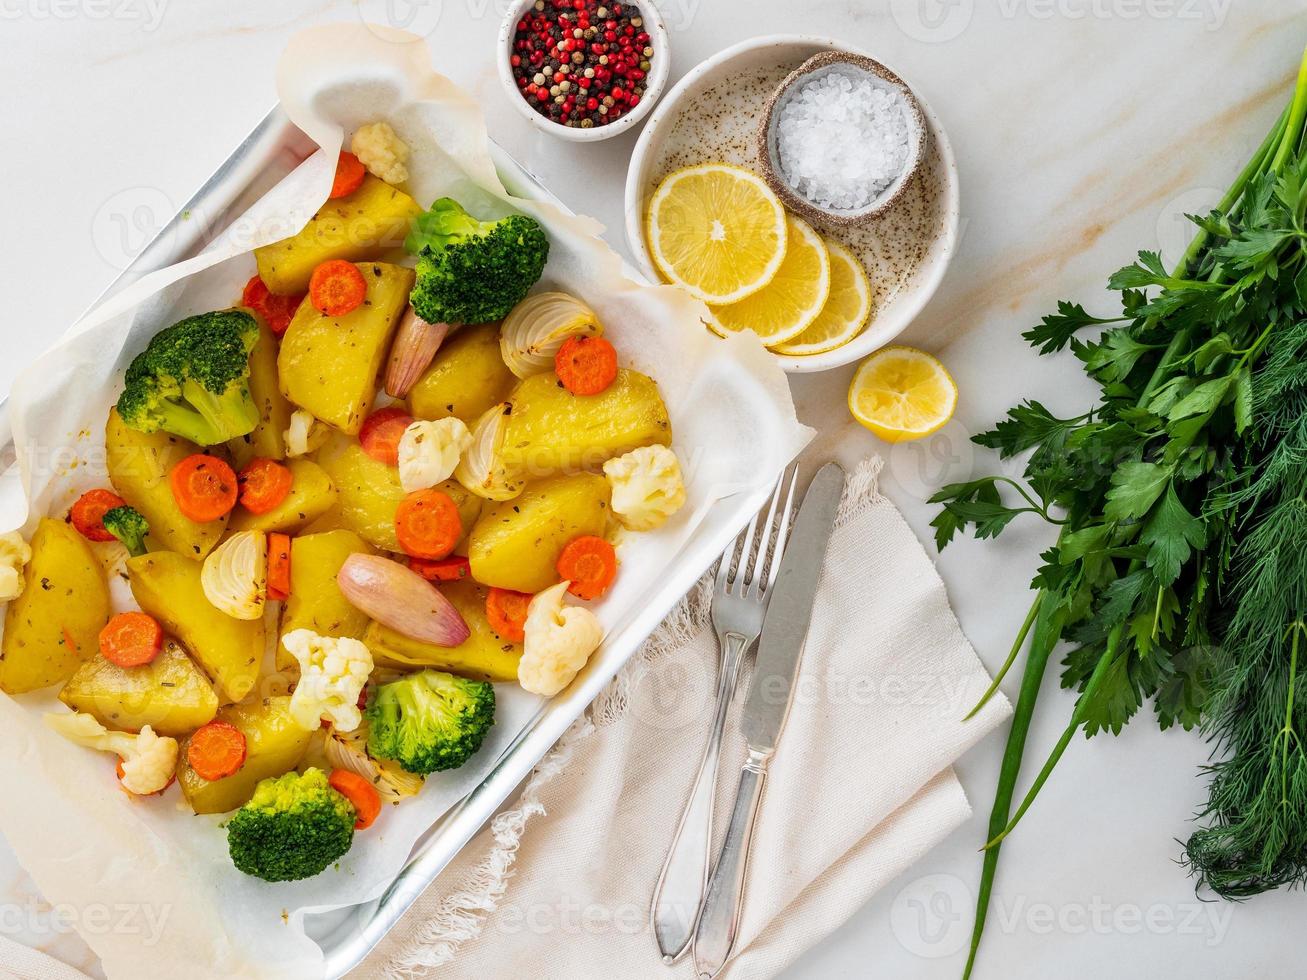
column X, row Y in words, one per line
column 769, row 154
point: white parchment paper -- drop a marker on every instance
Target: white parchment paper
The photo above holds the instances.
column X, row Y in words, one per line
column 148, row 884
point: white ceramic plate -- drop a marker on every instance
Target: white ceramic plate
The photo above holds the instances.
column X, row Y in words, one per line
column 712, row 115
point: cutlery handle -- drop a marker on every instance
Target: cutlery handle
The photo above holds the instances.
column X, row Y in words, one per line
column 680, row 890
column 720, row 920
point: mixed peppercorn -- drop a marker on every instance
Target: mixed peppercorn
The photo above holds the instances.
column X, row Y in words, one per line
column 581, row 63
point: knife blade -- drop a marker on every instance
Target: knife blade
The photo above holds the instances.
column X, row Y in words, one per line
column 789, row 612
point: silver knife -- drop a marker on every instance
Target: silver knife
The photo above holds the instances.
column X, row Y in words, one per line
column 780, row 650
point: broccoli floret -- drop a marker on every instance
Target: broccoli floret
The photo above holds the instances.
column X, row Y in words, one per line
column 429, row 721
column 295, row 826
column 129, row 526
column 472, row 271
column 193, row 380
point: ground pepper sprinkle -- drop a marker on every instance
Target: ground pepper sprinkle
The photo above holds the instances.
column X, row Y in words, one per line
column 581, row 63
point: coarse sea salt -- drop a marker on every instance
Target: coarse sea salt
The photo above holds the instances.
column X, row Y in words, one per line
column 842, row 138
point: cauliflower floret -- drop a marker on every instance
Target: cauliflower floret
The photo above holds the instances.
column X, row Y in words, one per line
column 429, row 452
column 15, row 553
column 647, row 487
column 148, row 760
column 382, row 152
column 332, row 673
column 305, row 434
column 559, row 641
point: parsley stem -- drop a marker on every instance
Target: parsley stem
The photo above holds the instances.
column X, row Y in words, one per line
column 1011, row 657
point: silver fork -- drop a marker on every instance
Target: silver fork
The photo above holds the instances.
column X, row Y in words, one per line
column 744, row 582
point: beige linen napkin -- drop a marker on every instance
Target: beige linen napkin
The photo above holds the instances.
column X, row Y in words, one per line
column 860, row 788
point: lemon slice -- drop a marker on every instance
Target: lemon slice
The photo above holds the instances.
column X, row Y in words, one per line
column 902, row 393
column 787, row 305
column 716, row 231
column 847, row 308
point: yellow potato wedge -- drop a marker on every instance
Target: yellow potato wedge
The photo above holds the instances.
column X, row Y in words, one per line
column 516, row 543
column 274, row 745
column 312, row 494
column 550, row 430
column 466, row 378
column 269, row 437
column 483, row 656
column 329, row 364
column 364, row 225
column 170, row 694
column 167, row 586
column 55, row 624
column 316, row 602
column 139, row 464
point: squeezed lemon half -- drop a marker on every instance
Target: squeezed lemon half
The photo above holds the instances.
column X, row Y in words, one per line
column 716, row 231
column 902, row 393
column 847, row 309
column 794, row 298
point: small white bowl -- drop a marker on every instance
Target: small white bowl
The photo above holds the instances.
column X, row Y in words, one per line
column 895, row 313
column 655, row 81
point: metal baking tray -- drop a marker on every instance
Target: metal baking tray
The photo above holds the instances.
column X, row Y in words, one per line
column 346, row 936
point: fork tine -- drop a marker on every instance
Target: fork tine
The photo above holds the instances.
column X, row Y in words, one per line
column 782, row 531
column 746, row 552
column 724, row 569
column 757, row 578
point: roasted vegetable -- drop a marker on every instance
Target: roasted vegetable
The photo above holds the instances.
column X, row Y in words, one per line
column 472, row 271
column 515, row 544
column 312, row 494
column 329, row 364
column 146, row 760
column 559, row 641
column 295, row 826
column 551, row 430
column 366, row 224
column 268, row 439
column 168, row 587
column 467, row 376
column 483, row 656
column 55, row 624
column 274, row 744
column 129, row 526
column 316, row 602
column 429, row 721
column 193, row 379
column 139, row 464
column 170, row 694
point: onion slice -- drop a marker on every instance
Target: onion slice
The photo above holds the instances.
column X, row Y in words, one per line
column 412, row 352
column 537, row 327
column 401, row 599
column 481, row 469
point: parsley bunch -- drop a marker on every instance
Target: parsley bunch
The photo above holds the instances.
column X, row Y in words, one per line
column 1180, row 573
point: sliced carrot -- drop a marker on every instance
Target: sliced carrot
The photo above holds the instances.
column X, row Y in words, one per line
column 450, row 569
column 277, row 310
column 349, row 175
column 506, row 612
column 361, row 793
column 216, row 750
column 264, row 484
column 586, row 365
column 427, row 524
column 204, row 487
column 337, row 287
column 131, row 639
column 87, row 515
column 279, row 566
column 381, row 433
column 589, row 563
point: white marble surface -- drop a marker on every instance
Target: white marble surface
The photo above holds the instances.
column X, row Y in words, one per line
column 1082, row 128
